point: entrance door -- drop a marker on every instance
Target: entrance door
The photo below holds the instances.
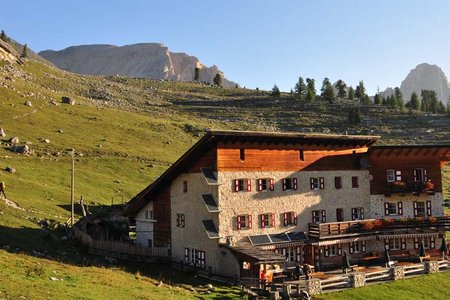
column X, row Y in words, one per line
column 309, row 255
column 339, row 214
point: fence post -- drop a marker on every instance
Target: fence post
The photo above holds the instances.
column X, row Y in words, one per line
column 286, row 291
column 431, row 266
column 397, row 273
column 313, row 286
column 357, row 279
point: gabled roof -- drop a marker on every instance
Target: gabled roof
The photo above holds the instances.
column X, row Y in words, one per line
column 212, row 138
column 442, row 151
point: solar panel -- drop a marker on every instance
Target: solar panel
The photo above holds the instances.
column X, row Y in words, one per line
column 260, row 239
column 210, row 178
column 210, row 229
column 279, row 238
column 210, row 203
column 297, row 236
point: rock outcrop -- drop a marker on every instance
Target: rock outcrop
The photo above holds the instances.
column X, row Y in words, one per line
column 424, row 77
column 148, row 60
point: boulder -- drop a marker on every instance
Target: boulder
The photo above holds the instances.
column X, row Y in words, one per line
column 14, row 140
column 2, row 132
column 10, row 170
column 28, row 103
column 67, row 100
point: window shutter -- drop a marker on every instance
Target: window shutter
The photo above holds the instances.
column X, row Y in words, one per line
column 272, row 220
column 326, row 253
column 321, row 183
column 415, row 208
column 259, row 184
column 432, row 243
column 249, row 223
column 294, row 183
column 339, row 248
column 294, row 217
column 284, row 184
column 238, row 222
column 386, row 209
column 429, row 208
column 272, row 186
column 351, row 247
column 425, row 178
column 403, row 244
column 236, row 185
column 337, row 182
column 285, row 218
column 314, row 216
column 353, row 213
column 262, row 219
column 415, row 174
column 361, row 212
column 416, row 243
column 324, row 216
column 298, row 254
column 386, row 244
column 363, row 243
column 311, row 183
column 249, row 185
column 400, row 208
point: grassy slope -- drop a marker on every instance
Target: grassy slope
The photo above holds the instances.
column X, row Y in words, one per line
column 122, row 143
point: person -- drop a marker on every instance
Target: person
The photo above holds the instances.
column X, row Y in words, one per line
column 307, row 270
column 298, row 271
column 2, row 188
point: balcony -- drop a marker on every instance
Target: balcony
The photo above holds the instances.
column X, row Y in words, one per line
column 371, row 226
column 405, row 187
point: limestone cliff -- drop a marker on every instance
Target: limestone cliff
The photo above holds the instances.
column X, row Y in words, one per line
column 147, row 60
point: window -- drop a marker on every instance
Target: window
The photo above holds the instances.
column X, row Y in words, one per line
column 289, row 218
column 185, row 186
column 317, row 183
column 422, row 209
column 244, row 222
column 242, row 153
column 338, row 182
column 242, row 185
column 148, row 215
column 291, row 253
column 428, row 242
column 267, row 220
column 333, row 250
column 357, row 247
column 149, row 243
column 197, row 257
column 289, row 184
column 420, row 175
column 393, row 209
column 265, row 184
column 355, row 183
column 180, row 220
column 357, row 213
column 394, row 244
column 319, row 216
column 302, row 155
column 393, row 175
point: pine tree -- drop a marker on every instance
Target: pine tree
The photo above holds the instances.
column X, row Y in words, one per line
column 448, row 108
column 300, row 87
column 360, row 90
column 197, row 74
column 3, row 36
column 217, row 80
column 311, row 89
column 354, row 116
column 366, row 100
column 377, row 99
column 351, row 93
column 310, row 96
column 24, row 51
column 399, row 97
column 392, row 102
column 342, row 89
column 276, row 91
column 414, row 103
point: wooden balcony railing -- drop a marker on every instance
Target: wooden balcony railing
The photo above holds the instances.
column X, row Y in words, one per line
column 404, row 187
column 357, row 227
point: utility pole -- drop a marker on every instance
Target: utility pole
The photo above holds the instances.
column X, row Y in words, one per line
column 72, row 193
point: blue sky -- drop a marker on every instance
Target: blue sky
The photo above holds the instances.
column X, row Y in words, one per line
column 257, row 43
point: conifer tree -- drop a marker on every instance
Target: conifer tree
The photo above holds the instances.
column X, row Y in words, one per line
column 276, row 92
column 327, row 90
column 217, row 80
column 24, row 51
column 300, row 87
column 342, row 89
column 377, row 99
column 311, row 89
column 197, row 74
column 414, row 103
column 351, row 93
column 3, row 36
column 360, row 90
column 399, row 98
column 310, row 96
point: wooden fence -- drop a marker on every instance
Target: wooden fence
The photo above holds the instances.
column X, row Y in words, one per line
column 122, row 250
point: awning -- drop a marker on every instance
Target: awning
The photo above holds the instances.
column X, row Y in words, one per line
column 343, row 241
column 277, row 239
column 408, row 235
column 259, row 255
column 211, row 229
column 210, row 203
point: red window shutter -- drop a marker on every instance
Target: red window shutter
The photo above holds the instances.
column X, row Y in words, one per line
column 249, row 185
column 285, row 219
column 272, row 185
column 321, row 183
column 236, row 185
column 294, row 217
column 403, row 244
column 363, row 243
column 361, row 212
column 432, row 243
column 249, row 222
column 415, row 208
column 272, row 220
column 386, row 209
column 339, row 248
column 386, row 244
column 284, row 184
column 262, row 219
column 238, row 222
column 400, row 208
column 429, row 208
column 324, row 216
column 416, row 243
column 294, row 183
column 259, row 182
column 311, row 183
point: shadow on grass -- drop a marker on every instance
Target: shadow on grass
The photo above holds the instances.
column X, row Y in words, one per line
column 52, row 245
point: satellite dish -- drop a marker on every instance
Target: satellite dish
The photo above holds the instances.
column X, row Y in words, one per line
column 364, row 162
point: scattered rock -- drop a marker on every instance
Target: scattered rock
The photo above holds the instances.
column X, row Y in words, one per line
column 209, row 286
column 60, row 131
column 159, row 284
column 192, row 289
column 28, row 103
column 25, row 149
column 67, row 100
column 14, row 140
column 47, row 141
column 151, row 166
column 53, row 278
column 10, row 170
column 2, row 132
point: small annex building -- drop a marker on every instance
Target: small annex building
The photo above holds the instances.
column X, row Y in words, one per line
column 238, row 201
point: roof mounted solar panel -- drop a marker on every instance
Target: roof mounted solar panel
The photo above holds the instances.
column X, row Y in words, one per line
column 210, row 203
column 211, row 229
column 209, row 175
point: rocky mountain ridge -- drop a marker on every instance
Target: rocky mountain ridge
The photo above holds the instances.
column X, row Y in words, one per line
column 145, row 60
